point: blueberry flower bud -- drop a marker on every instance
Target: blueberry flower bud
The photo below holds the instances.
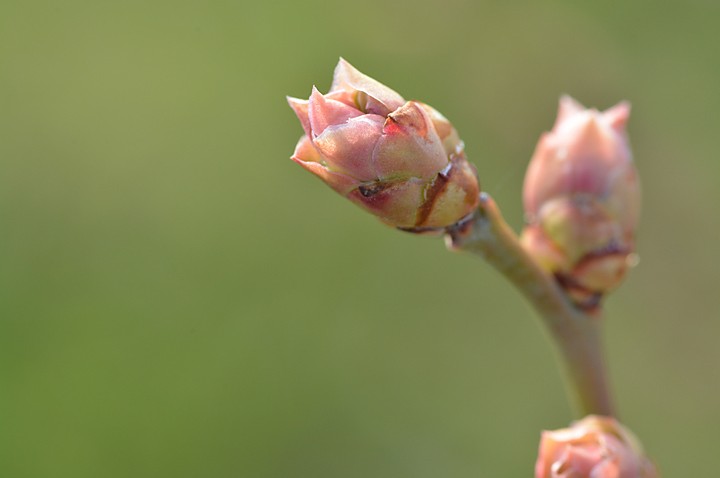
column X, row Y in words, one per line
column 594, row 447
column 400, row 160
column 582, row 200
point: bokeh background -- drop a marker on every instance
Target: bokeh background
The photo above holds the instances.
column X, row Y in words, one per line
column 177, row 298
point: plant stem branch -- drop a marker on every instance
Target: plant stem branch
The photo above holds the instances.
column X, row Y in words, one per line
column 577, row 334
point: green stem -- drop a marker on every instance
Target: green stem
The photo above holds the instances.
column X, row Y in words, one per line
column 577, row 334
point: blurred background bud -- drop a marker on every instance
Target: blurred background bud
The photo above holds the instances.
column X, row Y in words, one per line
column 402, row 161
column 594, row 447
column 582, row 200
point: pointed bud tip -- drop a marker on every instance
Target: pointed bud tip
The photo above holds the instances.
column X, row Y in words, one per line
column 343, row 73
column 295, row 102
column 568, row 106
column 618, row 116
column 300, row 107
column 569, row 103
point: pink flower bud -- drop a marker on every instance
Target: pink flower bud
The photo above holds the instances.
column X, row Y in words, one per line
column 582, row 200
column 401, row 160
column 594, row 447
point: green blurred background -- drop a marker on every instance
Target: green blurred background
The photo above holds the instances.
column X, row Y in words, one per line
column 177, row 298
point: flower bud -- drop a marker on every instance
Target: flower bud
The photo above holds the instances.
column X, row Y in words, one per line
column 400, row 160
column 582, row 201
column 594, row 447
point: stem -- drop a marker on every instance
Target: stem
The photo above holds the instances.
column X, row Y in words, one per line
column 576, row 334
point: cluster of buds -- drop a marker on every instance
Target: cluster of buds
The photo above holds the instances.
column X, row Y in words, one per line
column 400, row 160
column 594, row 447
column 405, row 163
column 582, row 201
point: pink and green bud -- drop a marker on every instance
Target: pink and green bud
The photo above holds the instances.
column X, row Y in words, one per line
column 400, row 160
column 594, row 447
column 582, row 200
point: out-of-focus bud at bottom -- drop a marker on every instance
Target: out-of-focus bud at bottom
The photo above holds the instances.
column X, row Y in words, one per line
column 594, row 447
